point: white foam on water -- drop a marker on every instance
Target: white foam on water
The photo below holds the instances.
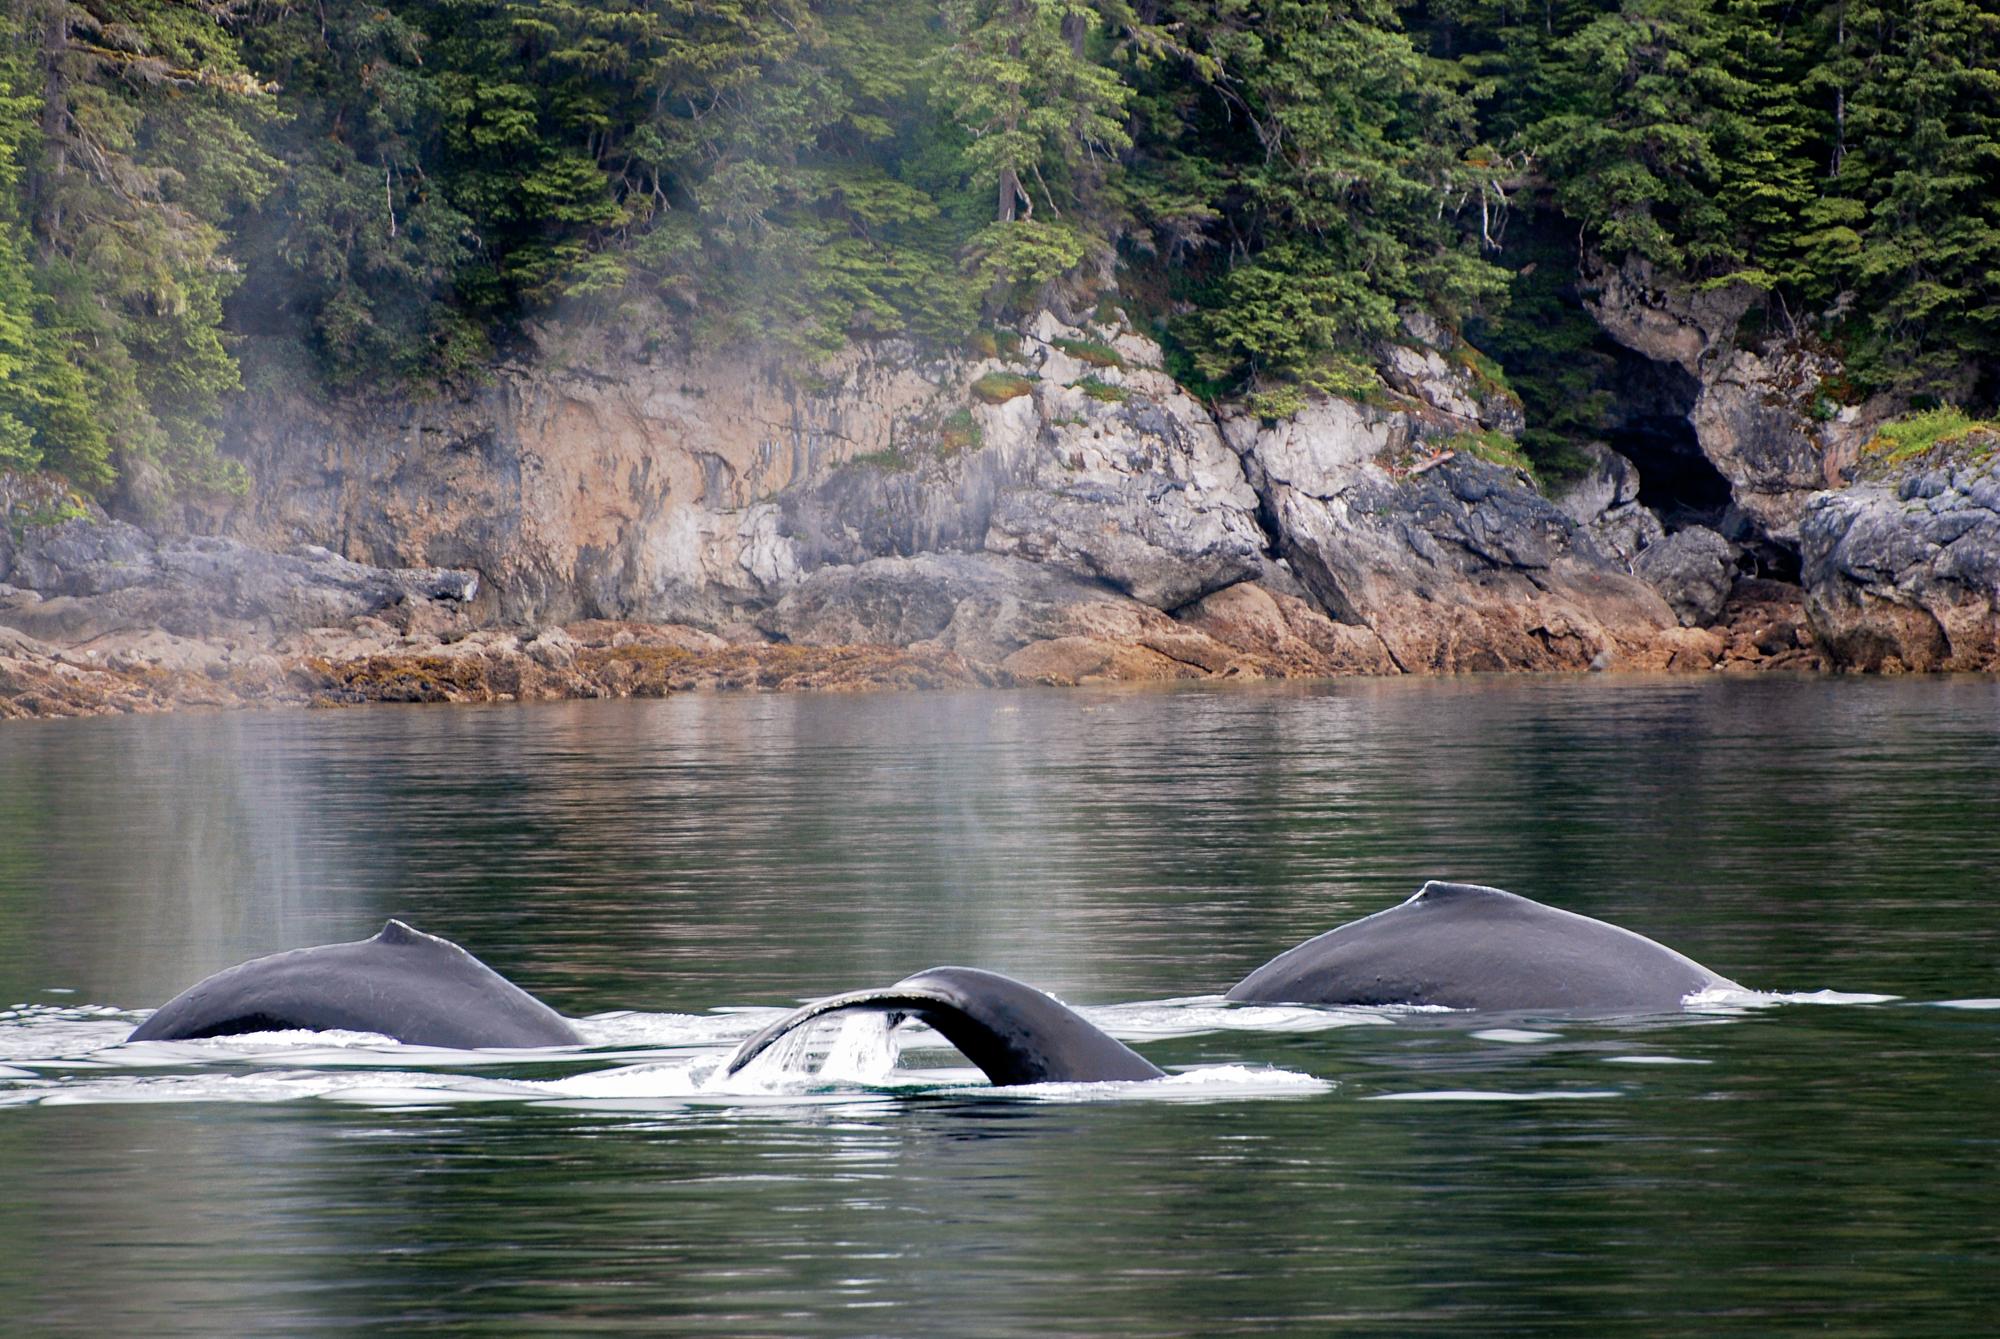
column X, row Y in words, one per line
column 333, row 1049
column 686, row 1079
column 1205, row 1083
column 1194, row 1015
column 701, row 1083
column 1965, row 1004
column 1479, row 1095
column 1654, row 1060
column 628, row 1027
column 1514, row 1036
column 864, row 1052
column 42, row 1031
column 1730, row 1001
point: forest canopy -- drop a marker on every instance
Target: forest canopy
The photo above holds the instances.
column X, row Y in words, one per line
column 394, row 186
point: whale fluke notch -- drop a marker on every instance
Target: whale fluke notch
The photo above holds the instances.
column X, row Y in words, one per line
column 403, row 983
column 1467, row 946
column 1013, row 1032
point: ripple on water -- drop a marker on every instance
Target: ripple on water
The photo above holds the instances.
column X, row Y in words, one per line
column 77, row 1056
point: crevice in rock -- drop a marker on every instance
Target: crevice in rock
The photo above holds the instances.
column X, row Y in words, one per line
column 1266, row 515
column 1649, row 426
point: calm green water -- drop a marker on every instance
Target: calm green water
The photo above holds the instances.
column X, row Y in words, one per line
column 1822, row 1165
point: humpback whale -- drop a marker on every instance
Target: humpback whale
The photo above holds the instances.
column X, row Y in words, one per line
column 1459, row 945
column 1465, row 946
column 402, row 983
column 1013, row 1032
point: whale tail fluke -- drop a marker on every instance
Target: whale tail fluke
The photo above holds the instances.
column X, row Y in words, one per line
column 1014, row 1033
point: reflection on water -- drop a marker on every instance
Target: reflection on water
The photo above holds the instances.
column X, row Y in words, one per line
column 1747, row 1167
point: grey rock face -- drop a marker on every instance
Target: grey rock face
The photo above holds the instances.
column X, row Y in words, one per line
column 1661, row 316
column 1626, row 532
column 1461, row 519
column 1605, row 502
column 895, row 498
column 1693, row 569
column 1761, row 439
column 1141, row 494
column 865, row 510
column 1459, row 565
column 1436, row 366
column 1906, row 574
column 982, row 605
column 84, row 557
column 90, row 576
column 1757, row 414
column 1611, row 482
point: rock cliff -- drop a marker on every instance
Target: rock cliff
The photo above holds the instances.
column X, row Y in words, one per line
column 1057, row 511
column 1760, row 415
column 1066, row 490
column 1899, row 571
column 1903, row 572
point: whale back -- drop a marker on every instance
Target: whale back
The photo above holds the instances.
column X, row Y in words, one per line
column 405, row 984
column 1015, row 1033
column 1464, row 946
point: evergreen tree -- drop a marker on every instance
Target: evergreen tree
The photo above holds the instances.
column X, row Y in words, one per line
column 1340, row 165
column 43, row 415
column 142, row 151
column 1921, row 158
column 356, row 249
column 1044, row 119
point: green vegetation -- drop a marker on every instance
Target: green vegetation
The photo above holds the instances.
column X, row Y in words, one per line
column 1103, row 391
column 1841, row 157
column 1000, row 387
column 995, row 344
column 128, row 140
column 1490, row 445
column 1091, row 353
column 1915, row 435
column 959, row 432
column 390, row 190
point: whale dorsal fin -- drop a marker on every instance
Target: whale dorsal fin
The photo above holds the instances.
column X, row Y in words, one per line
column 1437, row 890
column 397, row 934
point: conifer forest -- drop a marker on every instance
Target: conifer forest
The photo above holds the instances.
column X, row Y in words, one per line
column 391, row 188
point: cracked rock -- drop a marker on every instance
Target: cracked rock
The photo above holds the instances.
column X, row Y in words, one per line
column 1905, row 574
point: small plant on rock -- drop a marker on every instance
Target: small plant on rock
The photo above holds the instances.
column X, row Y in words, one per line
column 1000, row 387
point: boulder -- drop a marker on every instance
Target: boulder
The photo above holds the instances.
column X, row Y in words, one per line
column 1753, row 422
column 1435, row 366
column 1694, row 570
column 1759, row 414
column 1904, row 573
column 1457, row 565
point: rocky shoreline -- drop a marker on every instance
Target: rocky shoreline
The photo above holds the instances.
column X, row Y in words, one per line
column 606, row 659
column 213, row 624
column 602, row 521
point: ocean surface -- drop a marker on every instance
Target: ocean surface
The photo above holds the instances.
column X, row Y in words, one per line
column 1817, row 1155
